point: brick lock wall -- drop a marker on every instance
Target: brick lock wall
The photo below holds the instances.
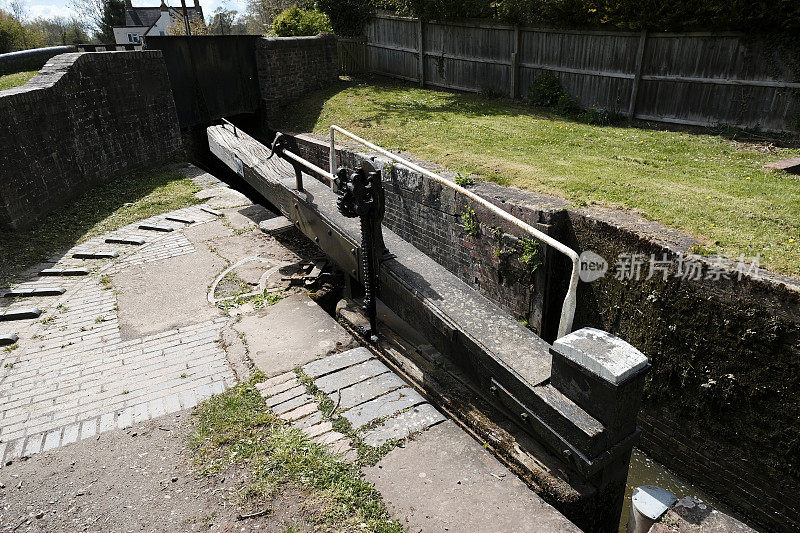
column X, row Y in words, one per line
column 288, row 67
column 85, row 118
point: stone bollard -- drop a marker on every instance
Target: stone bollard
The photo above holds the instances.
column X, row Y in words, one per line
column 604, row 376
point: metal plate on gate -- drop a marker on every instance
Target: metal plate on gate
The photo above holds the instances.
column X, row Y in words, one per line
column 341, row 249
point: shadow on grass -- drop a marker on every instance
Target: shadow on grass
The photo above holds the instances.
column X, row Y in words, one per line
column 103, row 208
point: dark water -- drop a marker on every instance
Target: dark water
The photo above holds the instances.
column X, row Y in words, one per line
column 645, row 471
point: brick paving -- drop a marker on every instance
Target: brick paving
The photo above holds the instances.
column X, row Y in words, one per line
column 377, row 403
column 72, row 375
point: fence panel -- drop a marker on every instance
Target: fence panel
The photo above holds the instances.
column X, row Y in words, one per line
column 392, row 47
column 693, row 78
column 468, row 58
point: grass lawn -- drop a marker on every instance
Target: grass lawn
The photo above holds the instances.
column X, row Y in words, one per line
column 236, row 428
column 103, row 208
column 14, row 80
column 705, row 185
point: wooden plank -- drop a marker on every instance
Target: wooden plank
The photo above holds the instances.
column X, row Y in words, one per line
column 578, row 71
column 720, row 81
column 421, row 52
column 638, row 76
column 515, row 64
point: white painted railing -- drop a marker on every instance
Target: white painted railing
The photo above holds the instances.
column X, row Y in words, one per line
column 568, row 307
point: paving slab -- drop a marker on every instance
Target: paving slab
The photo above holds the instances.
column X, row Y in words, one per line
column 403, row 424
column 248, row 217
column 286, row 395
column 290, row 333
column 336, row 362
column 350, row 376
column 275, row 225
column 294, row 403
column 222, row 197
column 385, row 405
column 445, row 481
column 367, row 390
column 180, row 286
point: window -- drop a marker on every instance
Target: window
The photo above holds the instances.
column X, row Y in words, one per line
column 161, row 33
column 133, row 38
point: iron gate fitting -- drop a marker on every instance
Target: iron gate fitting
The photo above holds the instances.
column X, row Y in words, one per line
column 361, row 195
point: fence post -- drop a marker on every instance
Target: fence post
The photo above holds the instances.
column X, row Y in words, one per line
column 421, row 49
column 515, row 64
column 637, row 78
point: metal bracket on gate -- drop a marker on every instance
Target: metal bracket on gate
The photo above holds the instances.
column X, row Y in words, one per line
column 280, row 145
column 361, row 195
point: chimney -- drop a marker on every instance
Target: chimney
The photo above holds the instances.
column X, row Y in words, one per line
column 163, row 6
column 128, row 4
column 197, row 4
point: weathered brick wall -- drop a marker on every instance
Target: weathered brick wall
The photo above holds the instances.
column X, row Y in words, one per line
column 430, row 217
column 720, row 404
column 85, row 118
column 288, row 67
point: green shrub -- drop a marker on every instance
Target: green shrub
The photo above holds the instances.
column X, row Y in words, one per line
column 348, row 17
column 295, row 22
column 470, row 222
column 568, row 105
column 545, row 90
column 600, row 117
column 661, row 15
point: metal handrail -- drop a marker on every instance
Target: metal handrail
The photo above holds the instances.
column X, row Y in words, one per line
column 568, row 308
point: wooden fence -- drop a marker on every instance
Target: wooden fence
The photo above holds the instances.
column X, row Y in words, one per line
column 701, row 79
column 352, row 55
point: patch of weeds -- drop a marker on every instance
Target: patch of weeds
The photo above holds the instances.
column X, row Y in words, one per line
column 8, row 365
column 545, row 90
column 184, row 375
column 62, row 308
column 703, row 250
column 266, row 299
column 11, row 348
column 470, row 222
column 259, row 301
column 126, row 392
column 523, row 321
column 46, row 320
column 100, row 319
column 105, row 282
column 236, row 427
column 529, row 253
column 367, row 455
column 464, row 178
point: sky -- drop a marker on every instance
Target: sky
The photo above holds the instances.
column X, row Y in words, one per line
column 51, row 8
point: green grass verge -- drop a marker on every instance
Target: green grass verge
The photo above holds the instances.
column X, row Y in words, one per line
column 15, row 80
column 236, row 427
column 103, row 208
column 708, row 186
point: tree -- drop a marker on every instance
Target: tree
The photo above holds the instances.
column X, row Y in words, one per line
column 61, row 30
column 223, row 21
column 102, row 16
column 11, row 33
column 348, row 17
column 261, row 13
column 196, row 25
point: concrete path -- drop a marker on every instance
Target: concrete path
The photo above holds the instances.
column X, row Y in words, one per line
column 445, row 481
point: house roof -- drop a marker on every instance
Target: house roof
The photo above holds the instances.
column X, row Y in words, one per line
column 148, row 16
